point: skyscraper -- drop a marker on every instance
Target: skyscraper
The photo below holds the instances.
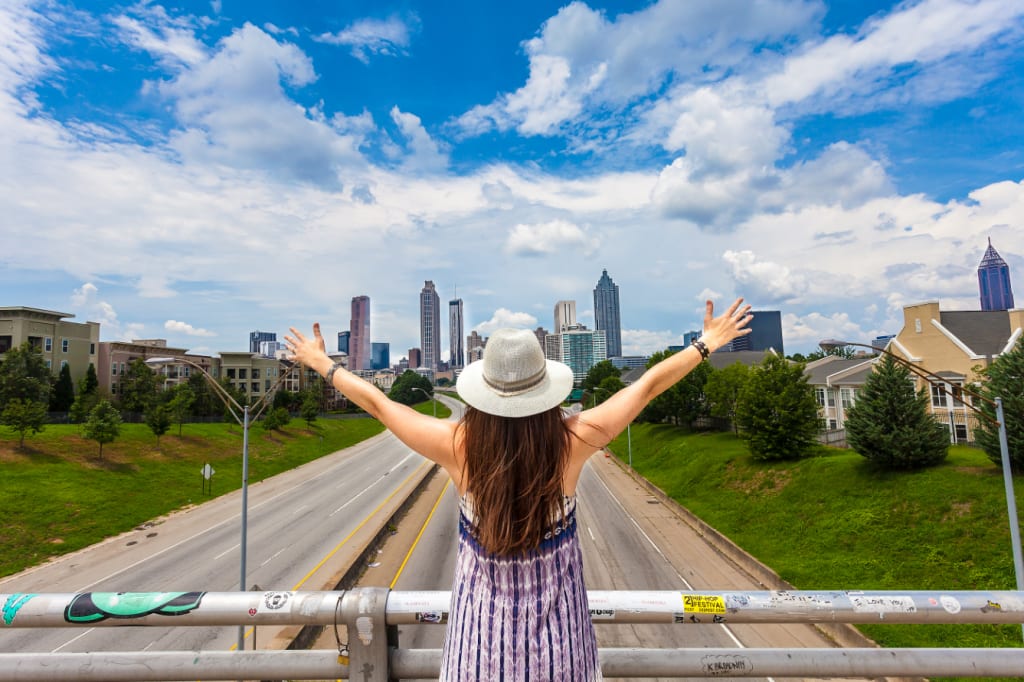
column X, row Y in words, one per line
column 456, row 358
column 430, row 325
column 994, row 281
column 606, row 313
column 381, row 355
column 765, row 333
column 565, row 315
column 359, row 349
column 343, row 339
column 258, row 337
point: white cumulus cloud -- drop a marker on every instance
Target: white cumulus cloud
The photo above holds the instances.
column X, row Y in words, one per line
column 186, row 328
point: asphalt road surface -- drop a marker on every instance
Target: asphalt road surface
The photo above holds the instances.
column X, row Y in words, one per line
column 295, row 520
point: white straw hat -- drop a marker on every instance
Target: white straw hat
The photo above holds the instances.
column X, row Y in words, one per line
column 514, row 379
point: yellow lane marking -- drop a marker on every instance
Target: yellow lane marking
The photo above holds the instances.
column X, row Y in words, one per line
column 420, row 534
column 347, row 538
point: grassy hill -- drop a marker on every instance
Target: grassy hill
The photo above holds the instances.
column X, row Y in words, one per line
column 833, row 522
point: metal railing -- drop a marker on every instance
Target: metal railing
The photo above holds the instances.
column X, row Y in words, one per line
column 370, row 616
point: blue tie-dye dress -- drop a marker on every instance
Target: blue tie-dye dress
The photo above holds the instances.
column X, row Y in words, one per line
column 521, row 617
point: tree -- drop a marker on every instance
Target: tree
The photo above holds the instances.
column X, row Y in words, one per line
column 276, row 419
column 284, row 398
column 1005, row 380
column 90, row 383
column 683, row 403
column 310, row 407
column 179, row 403
column 139, row 387
column 103, row 425
column 723, row 389
column 776, row 412
column 205, row 404
column 402, row 390
column 24, row 375
column 63, row 394
column 890, row 424
column 88, row 396
column 24, row 416
column 158, row 419
column 24, row 390
column 598, row 373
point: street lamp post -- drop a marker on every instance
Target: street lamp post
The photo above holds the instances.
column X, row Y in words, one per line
column 243, row 416
column 1004, row 450
column 430, row 397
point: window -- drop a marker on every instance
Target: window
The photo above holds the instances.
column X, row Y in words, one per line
column 122, row 368
column 231, row 373
column 960, row 432
column 255, row 372
column 92, row 349
column 938, row 395
column 113, row 369
column 833, row 424
column 242, row 373
column 819, row 395
column 64, row 345
column 255, row 387
column 48, row 344
column 6, row 341
column 848, row 396
column 958, row 395
column 266, row 384
column 63, row 364
column 831, row 398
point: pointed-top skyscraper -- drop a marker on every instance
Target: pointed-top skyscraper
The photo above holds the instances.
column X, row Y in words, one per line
column 606, row 313
column 994, row 281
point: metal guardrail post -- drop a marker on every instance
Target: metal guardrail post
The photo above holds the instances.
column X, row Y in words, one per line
column 364, row 612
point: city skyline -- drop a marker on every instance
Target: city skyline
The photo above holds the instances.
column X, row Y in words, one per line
column 815, row 157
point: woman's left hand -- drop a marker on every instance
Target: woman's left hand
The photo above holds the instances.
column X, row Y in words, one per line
column 311, row 352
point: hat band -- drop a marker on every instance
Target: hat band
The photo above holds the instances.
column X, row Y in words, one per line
column 510, row 388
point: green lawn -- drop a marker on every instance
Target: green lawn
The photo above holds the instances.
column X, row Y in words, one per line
column 833, row 522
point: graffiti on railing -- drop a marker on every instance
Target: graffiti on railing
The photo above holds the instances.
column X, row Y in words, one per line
column 91, row 607
column 12, row 605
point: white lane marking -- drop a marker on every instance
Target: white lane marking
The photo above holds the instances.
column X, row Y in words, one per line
column 299, row 509
column 367, row 488
column 73, row 639
column 227, row 551
column 271, row 558
column 662, row 555
column 591, row 533
column 85, row 588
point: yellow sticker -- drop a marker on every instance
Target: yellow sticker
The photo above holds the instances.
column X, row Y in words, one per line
column 702, row 603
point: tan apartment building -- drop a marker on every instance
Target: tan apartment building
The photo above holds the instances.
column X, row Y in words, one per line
column 837, row 382
column 75, row 344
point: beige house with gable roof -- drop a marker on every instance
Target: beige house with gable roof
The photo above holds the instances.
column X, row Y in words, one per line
column 953, row 346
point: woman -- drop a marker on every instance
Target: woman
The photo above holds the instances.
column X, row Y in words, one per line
column 519, row 606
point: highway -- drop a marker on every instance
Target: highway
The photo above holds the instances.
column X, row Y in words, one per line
column 295, row 520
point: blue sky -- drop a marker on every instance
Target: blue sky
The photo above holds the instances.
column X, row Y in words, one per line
column 199, row 170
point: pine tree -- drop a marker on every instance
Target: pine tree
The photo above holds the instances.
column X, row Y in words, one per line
column 890, row 424
column 776, row 412
column 63, row 394
column 1006, row 381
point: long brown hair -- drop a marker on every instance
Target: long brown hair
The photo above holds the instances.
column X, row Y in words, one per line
column 513, row 469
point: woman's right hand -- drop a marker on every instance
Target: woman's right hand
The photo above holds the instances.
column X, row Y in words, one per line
column 311, row 352
column 720, row 330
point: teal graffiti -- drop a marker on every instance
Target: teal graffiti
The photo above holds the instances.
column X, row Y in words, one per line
column 13, row 604
column 91, row 607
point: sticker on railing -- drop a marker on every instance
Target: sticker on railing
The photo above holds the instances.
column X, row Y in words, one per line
column 602, row 614
column 716, row 666
column 703, row 603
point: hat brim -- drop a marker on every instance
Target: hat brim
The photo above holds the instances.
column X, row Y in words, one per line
column 553, row 389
